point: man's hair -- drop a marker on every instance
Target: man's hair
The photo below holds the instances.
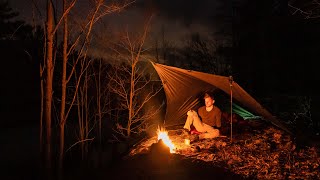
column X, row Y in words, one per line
column 208, row 95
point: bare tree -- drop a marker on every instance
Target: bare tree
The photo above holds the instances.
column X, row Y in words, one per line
column 49, row 78
column 41, row 107
column 132, row 85
column 84, row 102
column 102, row 95
column 81, row 43
column 307, row 9
column 207, row 54
column 63, row 82
column 164, row 49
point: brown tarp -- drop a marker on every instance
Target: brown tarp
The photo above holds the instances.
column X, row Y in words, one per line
column 182, row 88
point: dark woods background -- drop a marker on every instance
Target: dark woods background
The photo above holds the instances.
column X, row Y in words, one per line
column 271, row 53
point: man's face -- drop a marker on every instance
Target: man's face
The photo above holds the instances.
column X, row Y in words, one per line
column 208, row 101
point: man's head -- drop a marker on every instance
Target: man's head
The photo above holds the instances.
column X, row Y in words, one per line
column 208, row 100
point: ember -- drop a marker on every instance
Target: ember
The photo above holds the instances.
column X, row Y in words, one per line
column 163, row 134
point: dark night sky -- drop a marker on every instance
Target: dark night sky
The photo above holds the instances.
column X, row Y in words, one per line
column 187, row 12
column 177, row 18
column 264, row 39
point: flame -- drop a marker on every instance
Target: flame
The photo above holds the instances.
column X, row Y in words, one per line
column 163, row 134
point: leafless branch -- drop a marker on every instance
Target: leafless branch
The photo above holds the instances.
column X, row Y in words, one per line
column 309, row 10
column 81, row 141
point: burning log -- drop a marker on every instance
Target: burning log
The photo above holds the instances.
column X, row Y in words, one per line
column 160, row 155
column 159, row 148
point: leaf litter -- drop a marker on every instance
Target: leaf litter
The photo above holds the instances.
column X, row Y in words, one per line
column 267, row 153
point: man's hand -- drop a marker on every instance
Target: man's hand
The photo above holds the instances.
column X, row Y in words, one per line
column 190, row 113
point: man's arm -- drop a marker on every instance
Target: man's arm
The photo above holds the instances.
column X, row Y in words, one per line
column 200, row 113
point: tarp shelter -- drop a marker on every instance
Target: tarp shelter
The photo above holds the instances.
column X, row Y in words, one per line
column 182, row 88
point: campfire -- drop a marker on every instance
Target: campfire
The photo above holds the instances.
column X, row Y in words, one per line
column 163, row 135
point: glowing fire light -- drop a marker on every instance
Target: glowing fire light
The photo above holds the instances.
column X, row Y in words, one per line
column 187, row 141
column 162, row 134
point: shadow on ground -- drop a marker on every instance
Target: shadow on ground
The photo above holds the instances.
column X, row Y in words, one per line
column 167, row 167
column 151, row 166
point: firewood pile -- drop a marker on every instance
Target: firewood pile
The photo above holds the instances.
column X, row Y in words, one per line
column 261, row 154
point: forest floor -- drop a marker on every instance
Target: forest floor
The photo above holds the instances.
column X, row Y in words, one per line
column 260, row 152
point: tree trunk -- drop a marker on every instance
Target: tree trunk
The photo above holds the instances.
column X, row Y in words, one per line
column 86, row 111
column 63, row 85
column 49, row 80
column 80, row 118
column 41, row 111
column 131, row 110
column 61, row 153
column 99, row 101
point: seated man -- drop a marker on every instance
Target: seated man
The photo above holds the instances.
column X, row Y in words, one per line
column 207, row 120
